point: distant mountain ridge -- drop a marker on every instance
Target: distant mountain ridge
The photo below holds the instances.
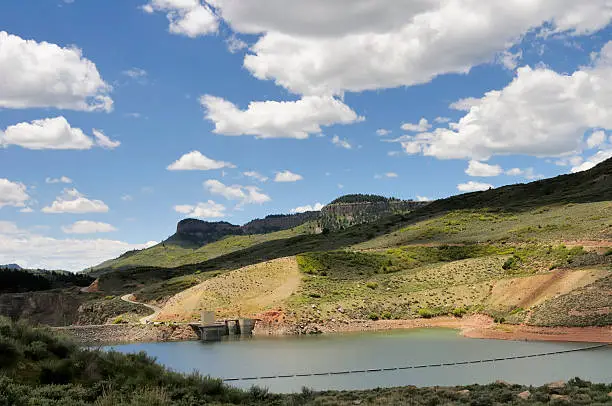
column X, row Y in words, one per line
column 350, row 210
column 194, row 235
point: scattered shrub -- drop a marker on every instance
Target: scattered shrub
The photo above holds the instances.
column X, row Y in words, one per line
column 118, row 320
column 373, row 316
column 9, row 352
column 426, row 313
column 372, row 285
column 512, row 263
column 517, row 310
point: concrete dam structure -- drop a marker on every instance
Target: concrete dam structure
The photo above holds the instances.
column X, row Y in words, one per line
column 211, row 330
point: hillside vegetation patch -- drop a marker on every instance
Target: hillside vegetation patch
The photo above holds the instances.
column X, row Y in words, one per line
column 418, row 281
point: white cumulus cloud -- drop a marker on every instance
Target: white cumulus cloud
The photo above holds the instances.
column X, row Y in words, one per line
column 303, row 209
column 206, row 210
column 135, row 73
column 342, row 143
column 195, row 160
column 48, row 133
column 482, row 169
column 540, row 113
column 472, row 186
column 32, row 250
column 422, row 126
column 242, row 194
column 88, row 227
column 594, row 160
column 527, row 173
column 596, row 139
column 509, row 60
column 287, row 176
column 273, row 119
column 390, row 175
column 255, row 175
column 235, row 44
column 13, row 193
column 41, row 74
column 191, row 18
column 53, row 133
column 442, row 120
column 323, row 47
column 72, row 201
column 62, row 179
column 103, row 141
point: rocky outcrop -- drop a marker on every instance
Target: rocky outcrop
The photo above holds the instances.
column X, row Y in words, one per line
column 193, row 232
column 198, row 232
column 341, row 215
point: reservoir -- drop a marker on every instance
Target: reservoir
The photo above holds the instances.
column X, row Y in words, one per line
column 288, row 355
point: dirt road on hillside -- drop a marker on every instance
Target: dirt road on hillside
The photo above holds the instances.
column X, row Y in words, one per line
column 146, row 319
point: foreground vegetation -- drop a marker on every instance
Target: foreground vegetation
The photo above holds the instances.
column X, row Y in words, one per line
column 39, row 368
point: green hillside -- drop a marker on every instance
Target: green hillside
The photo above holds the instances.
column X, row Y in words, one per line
column 169, row 255
column 551, row 211
column 511, row 209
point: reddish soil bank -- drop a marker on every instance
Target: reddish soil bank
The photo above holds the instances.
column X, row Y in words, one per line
column 531, row 333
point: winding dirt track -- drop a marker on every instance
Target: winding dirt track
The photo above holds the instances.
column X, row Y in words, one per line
column 146, row 319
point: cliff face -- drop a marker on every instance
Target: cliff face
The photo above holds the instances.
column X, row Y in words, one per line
column 51, row 308
column 341, row 215
column 198, row 232
column 192, row 232
column 279, row 222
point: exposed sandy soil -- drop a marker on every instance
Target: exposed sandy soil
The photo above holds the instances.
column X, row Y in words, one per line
column 532, row 290
column 240, row 293
column 91, row 288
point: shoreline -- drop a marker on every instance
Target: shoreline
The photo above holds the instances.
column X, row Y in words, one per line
column 475, row 327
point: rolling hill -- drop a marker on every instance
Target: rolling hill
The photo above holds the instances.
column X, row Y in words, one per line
column 538, row 253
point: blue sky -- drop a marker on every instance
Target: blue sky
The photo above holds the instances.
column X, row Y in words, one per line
column 413, row 99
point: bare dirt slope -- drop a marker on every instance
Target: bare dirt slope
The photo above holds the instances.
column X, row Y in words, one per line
column 529, row 291
column 243, row 292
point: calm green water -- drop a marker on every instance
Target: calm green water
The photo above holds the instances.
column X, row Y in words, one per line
column 266, row 356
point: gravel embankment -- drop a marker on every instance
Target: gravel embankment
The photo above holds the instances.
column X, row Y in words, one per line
column 126, row 333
